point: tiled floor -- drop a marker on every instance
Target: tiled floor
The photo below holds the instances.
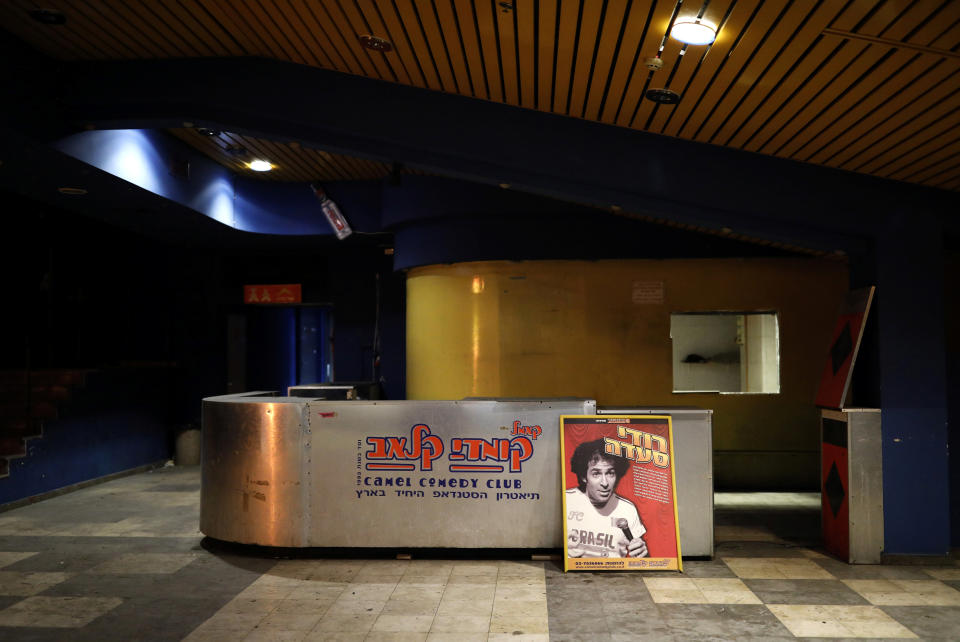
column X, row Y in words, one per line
column 124, row 561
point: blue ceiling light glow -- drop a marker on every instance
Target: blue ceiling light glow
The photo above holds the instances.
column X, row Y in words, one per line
column 134, row 159
column 143, row 158
column 216, row 201
column 126, row 153
column 236, row 199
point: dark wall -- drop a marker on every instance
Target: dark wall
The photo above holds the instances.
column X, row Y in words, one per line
column 83, row 294
column 349, row 275
column 952, row 325
column 89, row 295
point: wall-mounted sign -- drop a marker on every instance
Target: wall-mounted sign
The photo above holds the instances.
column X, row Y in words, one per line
column 619, row 493
column 287, row 293
column 647, row 293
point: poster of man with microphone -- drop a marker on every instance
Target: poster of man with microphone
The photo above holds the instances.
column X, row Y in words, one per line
column 619, row 493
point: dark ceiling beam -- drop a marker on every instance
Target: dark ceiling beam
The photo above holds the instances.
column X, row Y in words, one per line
column 686, row 182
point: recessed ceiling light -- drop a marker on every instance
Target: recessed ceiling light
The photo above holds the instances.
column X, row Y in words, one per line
column 206, row 131
column 48, row 16
column 663, row 96
column 693, row 32
column 260, row 165
column 376, row 43
column 72, row 191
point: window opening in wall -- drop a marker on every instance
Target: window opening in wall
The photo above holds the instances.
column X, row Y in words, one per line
column 726, row 352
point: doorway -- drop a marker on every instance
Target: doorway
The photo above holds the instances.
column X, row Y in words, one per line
column 273, row 347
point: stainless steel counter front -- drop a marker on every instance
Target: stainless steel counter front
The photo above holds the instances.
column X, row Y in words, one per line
column 289, row 471
column 693, row 469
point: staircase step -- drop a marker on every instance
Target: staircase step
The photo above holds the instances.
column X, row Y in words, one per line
column 68, row 378
column 20, row 427
column 13, row 393
column 37, row 410
column 12, row 447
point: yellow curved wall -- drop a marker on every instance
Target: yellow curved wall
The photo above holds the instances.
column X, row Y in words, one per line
column 573, row 328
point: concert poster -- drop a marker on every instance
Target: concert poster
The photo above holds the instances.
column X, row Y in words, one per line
column 619, row 493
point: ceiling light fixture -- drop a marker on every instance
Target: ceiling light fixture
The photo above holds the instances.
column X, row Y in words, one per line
column 48, row 16
column 693, row 32
column 663, row 96
column 260, row 165
column 376, row 43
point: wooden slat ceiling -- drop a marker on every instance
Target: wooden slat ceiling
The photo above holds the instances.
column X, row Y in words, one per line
column 870, row 86
column 292, row 161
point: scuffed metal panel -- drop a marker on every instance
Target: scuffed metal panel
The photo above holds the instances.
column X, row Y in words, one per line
column 288, row 472
column 693, row 458
column 252, row 482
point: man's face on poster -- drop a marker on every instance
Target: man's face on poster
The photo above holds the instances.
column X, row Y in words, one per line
column 601, row 481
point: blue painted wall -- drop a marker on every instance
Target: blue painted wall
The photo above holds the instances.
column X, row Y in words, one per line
column 916, row 489
column 119, row 420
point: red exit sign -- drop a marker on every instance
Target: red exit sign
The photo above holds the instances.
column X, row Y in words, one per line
column 287, row 293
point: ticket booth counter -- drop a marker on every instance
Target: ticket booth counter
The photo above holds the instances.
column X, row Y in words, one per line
column 298, row 472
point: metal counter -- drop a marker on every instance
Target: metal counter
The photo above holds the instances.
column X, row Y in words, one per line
column 851, row 476
column 693, row 468
column 295, row 472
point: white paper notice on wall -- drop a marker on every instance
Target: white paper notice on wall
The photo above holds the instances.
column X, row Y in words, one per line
column 647, row 293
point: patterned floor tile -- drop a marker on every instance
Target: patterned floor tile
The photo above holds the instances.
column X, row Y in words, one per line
column 711, row 621
column 844, row 571
column 275, row 635
column 61, row 612
column 317, row 635
column 464, row 635
column 469, row 592
column 145, row 563
column 839, row 621
column 707, row 568
column 8, row 558
column 126, row 586
column 16, row 583
column 518, row 625
column 410, row 607
column 401, row 623
column 699, row 591
column 168, row 580
column 354, row 623
column 396, row 636
column 906, row 592
column 284, row 621
column 417, row 592
column 731, row 533
column 804, row 592
column 928, row 622
column 465, row 607
column 775, row 568
column 460, row 623
column 944, row 573
column 724, row 550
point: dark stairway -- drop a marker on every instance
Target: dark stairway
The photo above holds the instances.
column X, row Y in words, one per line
column 27, row 399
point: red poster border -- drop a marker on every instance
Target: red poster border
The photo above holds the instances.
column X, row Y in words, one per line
column 619, row 563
